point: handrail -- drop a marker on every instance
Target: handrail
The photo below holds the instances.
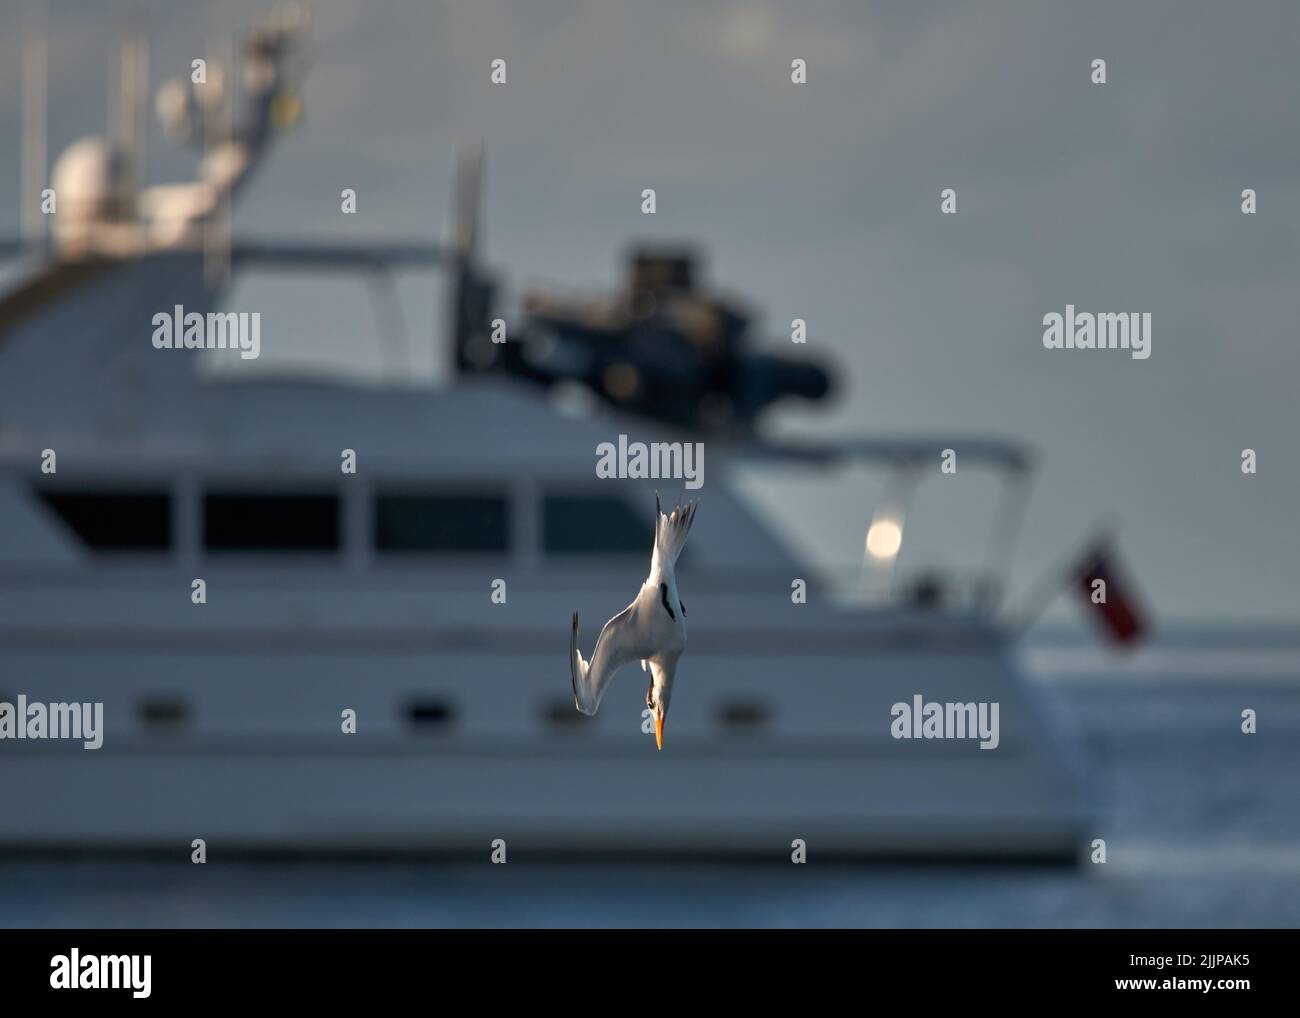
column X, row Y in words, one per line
column 901, row 451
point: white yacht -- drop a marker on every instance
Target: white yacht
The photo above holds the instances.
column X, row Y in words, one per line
column 376, row 592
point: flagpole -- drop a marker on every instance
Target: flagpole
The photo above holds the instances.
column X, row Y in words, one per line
column 34, row 84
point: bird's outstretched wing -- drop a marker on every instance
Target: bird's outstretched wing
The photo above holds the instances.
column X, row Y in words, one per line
column 620, row 641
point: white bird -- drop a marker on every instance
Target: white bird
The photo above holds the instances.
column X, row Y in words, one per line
column 652, row 628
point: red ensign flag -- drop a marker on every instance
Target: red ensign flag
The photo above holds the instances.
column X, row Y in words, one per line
column 1106, row 593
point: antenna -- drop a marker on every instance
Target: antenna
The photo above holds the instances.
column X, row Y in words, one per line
column 217, row 132
column 128, row 84
column 470, row 292
column 133, row 87
column 35, row 98
column 469, row 183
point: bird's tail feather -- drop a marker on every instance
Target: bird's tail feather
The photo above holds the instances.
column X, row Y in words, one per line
column 671, row 529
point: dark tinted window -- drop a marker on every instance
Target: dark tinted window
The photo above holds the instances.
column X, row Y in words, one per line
column 593, row 524
column 115, row 521
column 164, row 713
column 744, row 715
column 271, row 522
column 429, row 715
column 451, row 524
column 562, row 714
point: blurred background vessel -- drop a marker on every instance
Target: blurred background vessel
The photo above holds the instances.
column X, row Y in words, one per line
column 329, row 591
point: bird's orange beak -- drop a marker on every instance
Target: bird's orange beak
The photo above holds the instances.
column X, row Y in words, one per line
column 659, row 732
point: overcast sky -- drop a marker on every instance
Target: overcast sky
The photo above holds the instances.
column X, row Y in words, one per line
column 821, row 201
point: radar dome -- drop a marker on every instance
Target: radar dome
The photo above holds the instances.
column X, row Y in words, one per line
column 92, row 181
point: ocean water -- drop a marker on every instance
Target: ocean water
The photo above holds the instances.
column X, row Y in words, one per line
column 1202, row 825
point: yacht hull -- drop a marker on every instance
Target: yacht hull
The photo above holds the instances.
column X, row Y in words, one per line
column 236, row 734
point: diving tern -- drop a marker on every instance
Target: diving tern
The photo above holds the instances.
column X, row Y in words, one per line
column 652, row 628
